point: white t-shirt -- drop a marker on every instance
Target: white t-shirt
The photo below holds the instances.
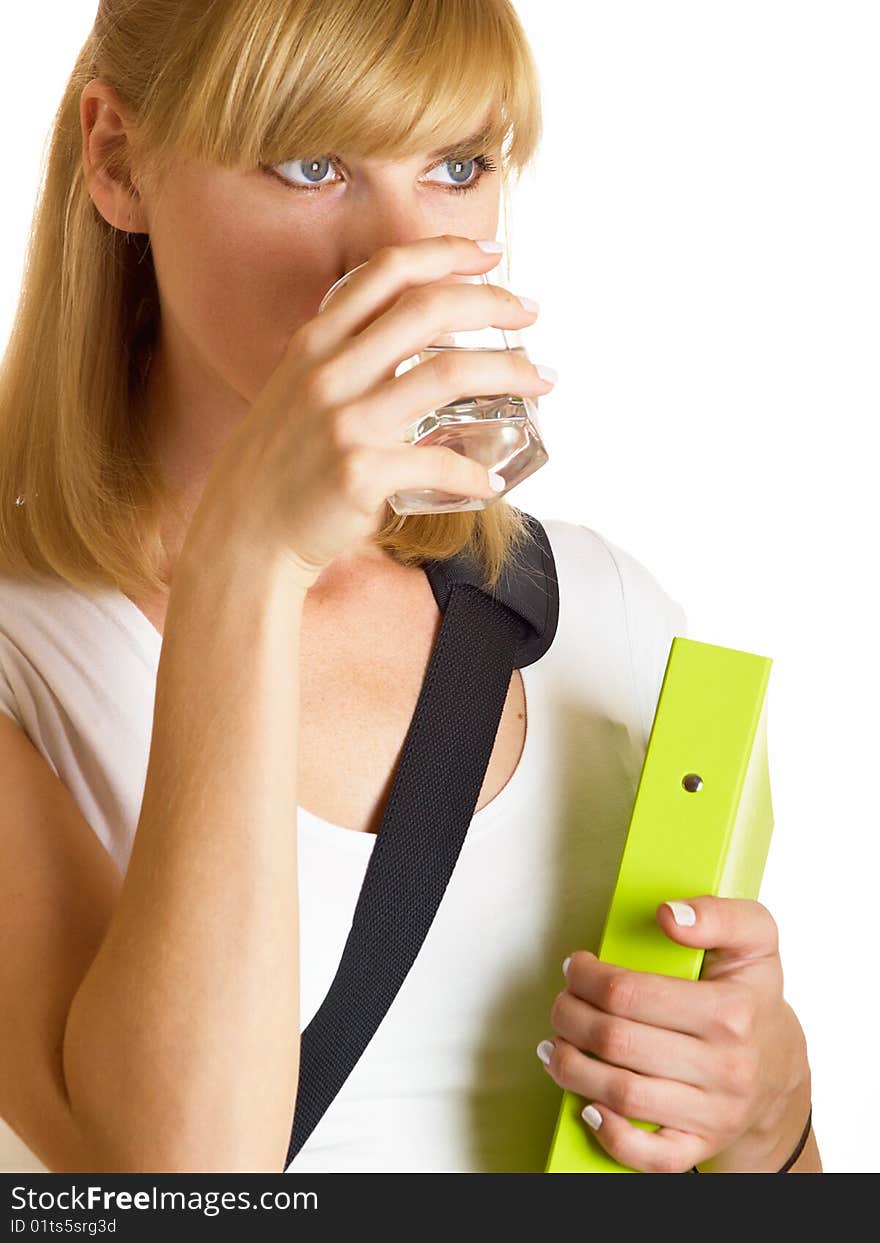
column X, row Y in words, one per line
column 451, row 1081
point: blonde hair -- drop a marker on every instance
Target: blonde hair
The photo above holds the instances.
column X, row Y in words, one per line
column 236, row 83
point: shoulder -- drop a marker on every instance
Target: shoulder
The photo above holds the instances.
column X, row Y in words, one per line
column 588, row 560
column 22, row 598
column 613, row 603
column 16, row 605
column 35, row 619
column 9, row 658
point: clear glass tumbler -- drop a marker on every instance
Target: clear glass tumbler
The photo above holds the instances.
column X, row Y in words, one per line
column 498, row 430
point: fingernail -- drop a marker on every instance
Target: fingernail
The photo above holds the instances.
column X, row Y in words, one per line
column 489, row 244
column 497, row 482
column 565, row 965
column 545, row 1051
column 683, row 914
column 592, row 1116
column 529, row 303
column 547, row 373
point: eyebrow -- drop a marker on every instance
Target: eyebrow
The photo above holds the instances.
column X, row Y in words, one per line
column 474, row 142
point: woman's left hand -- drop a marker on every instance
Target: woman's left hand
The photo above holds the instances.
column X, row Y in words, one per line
column 720, row 1063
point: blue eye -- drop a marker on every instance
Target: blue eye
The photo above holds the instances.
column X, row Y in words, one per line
column 482, row 163
column 316, row 169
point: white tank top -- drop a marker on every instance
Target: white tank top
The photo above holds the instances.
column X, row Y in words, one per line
column 450, row 1082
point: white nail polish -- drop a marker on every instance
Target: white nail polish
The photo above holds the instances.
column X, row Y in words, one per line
column 565, row 965
column 529, row 303
column 497, row 482
column 683, row 914
column 545, row 1051
column 490, row 245
column 591, row 1116
column 547, row 373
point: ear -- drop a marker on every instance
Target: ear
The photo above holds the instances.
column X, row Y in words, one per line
column 106, row 149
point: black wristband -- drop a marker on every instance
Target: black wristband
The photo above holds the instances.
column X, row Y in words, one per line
column 794, row 1156
column 800, row 1145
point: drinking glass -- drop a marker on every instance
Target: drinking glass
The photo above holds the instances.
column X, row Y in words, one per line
column 498, row 430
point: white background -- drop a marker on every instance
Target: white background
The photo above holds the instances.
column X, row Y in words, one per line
column 701, row 230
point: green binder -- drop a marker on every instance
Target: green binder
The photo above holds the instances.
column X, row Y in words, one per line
column 701, row 823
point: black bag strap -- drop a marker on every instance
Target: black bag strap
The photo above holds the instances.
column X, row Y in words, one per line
column 483, row 638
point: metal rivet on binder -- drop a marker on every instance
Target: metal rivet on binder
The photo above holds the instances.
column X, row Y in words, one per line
column 692, row 782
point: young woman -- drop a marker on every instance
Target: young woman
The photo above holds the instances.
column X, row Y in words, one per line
column 214, row 629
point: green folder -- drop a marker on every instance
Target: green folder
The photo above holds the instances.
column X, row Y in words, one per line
column 701, row 824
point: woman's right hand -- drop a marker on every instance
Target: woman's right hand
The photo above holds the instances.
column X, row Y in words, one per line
column 321, row 449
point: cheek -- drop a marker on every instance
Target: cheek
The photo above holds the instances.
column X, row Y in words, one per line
column 239, row 286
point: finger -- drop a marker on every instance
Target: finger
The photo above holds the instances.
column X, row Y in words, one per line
column 646, row 1098
column 634, row 1046
column 386, row 411
column 688, row 1006
column 369, row 289
column 417, row 318
column 373, row 475
column 664, row 1151
column 734, row 932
